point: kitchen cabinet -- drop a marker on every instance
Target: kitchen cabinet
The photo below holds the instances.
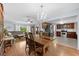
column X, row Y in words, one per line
column 66, row 26
column 72, row 35
column 70, row 25
column 59, row 26
column 58, row 33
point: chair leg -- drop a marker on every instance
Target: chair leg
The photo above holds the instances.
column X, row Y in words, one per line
column 26, row 48
column 29, row 52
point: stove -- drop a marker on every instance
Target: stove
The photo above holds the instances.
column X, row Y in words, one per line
column 63, row 33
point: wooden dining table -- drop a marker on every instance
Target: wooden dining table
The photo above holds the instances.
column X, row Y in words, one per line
column 44, row 42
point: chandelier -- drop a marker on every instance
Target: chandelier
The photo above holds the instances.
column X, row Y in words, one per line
column 42, row 14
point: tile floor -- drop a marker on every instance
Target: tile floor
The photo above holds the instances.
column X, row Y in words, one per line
column 67, row 41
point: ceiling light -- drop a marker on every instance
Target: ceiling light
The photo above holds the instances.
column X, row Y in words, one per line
column 61, row 22
column 41, row 14
column 28, row 22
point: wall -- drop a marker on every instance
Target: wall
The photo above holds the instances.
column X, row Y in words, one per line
column 9, row 25
column 78, row 32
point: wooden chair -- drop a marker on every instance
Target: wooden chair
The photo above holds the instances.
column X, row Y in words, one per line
column 6, row 43
column 29, row 43
column 26, row 38
column 34, row 46
column 39, row 49
column 31, row 47
column 1, row 48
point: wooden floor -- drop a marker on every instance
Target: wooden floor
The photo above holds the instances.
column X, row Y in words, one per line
column 18, row 49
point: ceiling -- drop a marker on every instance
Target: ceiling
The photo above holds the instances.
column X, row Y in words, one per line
column 21, row 12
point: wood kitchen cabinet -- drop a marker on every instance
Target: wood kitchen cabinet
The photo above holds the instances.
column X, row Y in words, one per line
column 72, row 35
column 59, row 26
column 70, row 25
column 66, row 26
column 58, row 33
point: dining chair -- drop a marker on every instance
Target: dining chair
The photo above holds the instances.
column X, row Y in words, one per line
column 1, row 48
column 31, row 36
column 31, row 47
column 29, row 43
column 34, row 46
column 6, row 43
column 26, row 39
column 39, row 49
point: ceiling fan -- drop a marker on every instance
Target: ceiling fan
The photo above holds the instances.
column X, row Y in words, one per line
column 29, row 21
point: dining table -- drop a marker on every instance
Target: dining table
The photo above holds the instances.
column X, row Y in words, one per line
column 45, row 43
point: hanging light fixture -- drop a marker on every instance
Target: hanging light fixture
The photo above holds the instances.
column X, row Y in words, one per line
column 42, row 15
column 42, row 12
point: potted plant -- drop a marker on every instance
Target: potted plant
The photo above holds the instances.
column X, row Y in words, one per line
column 5, row 32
